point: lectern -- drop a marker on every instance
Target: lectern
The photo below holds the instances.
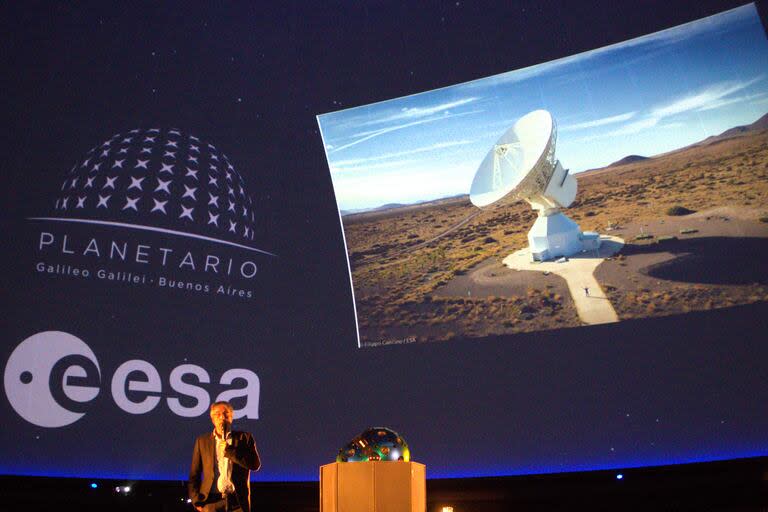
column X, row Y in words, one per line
column 373, row 486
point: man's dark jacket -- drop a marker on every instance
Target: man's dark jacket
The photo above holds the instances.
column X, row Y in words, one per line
column 244, row 456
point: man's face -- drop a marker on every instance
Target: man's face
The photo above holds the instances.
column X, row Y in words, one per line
column 221, row 416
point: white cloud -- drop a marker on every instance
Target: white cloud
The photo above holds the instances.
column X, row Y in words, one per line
column 375, row 133
column 416, row 112
column 364, row 163
column 627, row 129
column 598, row 122
column 339, row 168
column 730, row 101
column 708, row 96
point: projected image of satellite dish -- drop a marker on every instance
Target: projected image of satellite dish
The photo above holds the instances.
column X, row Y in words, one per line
column 522, row 166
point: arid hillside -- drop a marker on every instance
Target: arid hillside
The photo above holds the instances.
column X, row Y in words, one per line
column 433, row 271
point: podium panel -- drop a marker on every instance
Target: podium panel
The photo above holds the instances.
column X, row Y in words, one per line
column 374, row 486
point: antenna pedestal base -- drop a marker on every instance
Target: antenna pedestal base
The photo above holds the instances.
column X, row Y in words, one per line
column 555, row 235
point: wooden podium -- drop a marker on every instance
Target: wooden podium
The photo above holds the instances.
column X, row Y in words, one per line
column 374, row 486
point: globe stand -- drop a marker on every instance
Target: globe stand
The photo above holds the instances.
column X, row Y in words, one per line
column 373, row 486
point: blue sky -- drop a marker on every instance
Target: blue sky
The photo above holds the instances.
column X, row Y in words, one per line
column 645, row 96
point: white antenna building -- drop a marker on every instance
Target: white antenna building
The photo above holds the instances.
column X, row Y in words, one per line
column 522, row 165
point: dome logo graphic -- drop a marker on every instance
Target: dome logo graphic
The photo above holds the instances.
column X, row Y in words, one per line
column 160, row 180
column 162, row 183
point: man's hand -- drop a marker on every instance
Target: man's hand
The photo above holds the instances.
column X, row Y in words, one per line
column 199, row 508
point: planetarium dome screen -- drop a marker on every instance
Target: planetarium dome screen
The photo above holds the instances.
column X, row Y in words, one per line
column 555, row 268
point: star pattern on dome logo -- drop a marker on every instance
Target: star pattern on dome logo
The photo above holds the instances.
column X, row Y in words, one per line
column 162, row 178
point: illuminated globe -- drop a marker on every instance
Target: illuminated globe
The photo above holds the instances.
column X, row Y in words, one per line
column 377, row 443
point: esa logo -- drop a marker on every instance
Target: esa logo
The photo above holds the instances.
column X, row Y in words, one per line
column 52, row 376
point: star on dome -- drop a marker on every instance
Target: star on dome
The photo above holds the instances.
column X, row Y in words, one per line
column 172, row 143
column 127, row 140
column 231, row 207
column 213, row 219
column 122, row 151
column 109, row 182
column 89, row 181
column 166, row 168
column 145, row 151
column 192, row 158
column 149, row 139
column 233, row 226
column 96, row 167
column 191, row 172
column 169, row 154
column 159, row 206
column 64, row 203
column 192, row 137
column 131, row 203
column 81, row 202
column 103, row 201
column 214, row 156
column 135, row 183
column 118, row 163
column 189, row 192
column 214, row 200
column 141, row 164
column 212, row 181
column 73, row 184
column 186, row 212
column 105, row 153
column 192, row 147
column 162, row 186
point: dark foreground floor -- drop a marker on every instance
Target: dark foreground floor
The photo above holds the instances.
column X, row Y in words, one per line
column 737, row 485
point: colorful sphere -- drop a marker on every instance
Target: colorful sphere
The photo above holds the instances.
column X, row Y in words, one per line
column 376, row 443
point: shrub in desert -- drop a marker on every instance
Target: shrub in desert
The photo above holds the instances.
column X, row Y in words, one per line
column 679, row 210
column 764, row 218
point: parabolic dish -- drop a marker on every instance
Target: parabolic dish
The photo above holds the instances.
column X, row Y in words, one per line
column 518, row 153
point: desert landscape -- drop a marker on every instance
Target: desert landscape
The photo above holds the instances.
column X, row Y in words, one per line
column 694, row 222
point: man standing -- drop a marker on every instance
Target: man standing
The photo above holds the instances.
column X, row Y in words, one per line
column 225, row 459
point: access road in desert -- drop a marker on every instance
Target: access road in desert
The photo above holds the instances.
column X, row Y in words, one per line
column 592, row 305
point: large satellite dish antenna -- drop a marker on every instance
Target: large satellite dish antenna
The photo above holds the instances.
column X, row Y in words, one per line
column 522, row 165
